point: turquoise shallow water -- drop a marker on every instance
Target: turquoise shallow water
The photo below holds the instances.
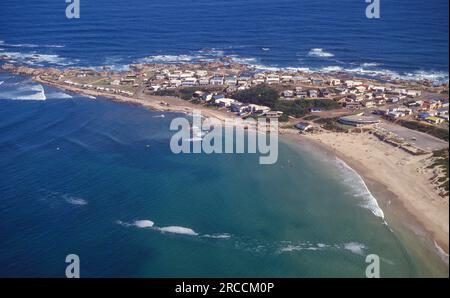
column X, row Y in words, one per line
column 78, row 173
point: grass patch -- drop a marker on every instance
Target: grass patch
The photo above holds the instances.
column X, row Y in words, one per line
column 311, row 117
column 441, row 160
column 332, row 124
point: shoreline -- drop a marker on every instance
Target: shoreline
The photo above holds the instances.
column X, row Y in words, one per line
column 400, row 214
column 393, row 200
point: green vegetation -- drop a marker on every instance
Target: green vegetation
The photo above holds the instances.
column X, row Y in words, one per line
column 311, row 117
column 261, row 95
column 440, row 133
column 332, row 124
column 441, row 160
column 300, row 108
column 185, row 93
column 166, row 92
column 267, row 96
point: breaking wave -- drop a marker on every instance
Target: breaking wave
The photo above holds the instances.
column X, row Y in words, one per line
column 29, row 45
column 251, row 245
column 356, row 182
column 27, row 92
column 169, row 229
column 58, row 95
column 75, row 200
column 318, row 52
column 36, row 59
column 178, row 230
column 170, row 59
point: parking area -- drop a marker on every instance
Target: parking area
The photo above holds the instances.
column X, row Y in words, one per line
column 416, row 138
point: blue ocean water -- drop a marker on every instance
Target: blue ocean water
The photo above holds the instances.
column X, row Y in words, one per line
column 98, row 179
column 410, row 39
column 89, row 177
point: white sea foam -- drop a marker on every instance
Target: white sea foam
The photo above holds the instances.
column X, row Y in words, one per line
column 30, row 45
column 170, row 59
column 243, row 60
column 356, row 182
column 292, row 248
column 75, row 200
column 144, row 223
column 370, row 64
column 354, row 247
column 318, row 52
column 37, row 59
column 1, row 82
column 331, row 69
column 218, row 236
column 26, row 92
column 442, row 253
column 178, row 230
column 58, row 95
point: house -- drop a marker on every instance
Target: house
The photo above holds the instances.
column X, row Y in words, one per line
column 286, row 78
column 201, row 73
column 300, row 79
column 352, row 105
column 378, row 88
column 413, row 93
column 316, row 81
column 203, row 81
column 369, row 104
column 341, row 90
column 351, row 83
column 335, row 82
column 393, row 99
column 175, row 82
column 302, row 94
column 273, row 79
column 303, row 126
column 257, row 109
column 288, row 93
column 414, row 103
column 442, row 111
column 361, row 88
column 423, row 115
column 312, row 93
column 434, row 120
column 231, row 80
column 217, row 80
column 380, row 101
column 224, row 102
column 189, row 81
column 324, row 93
column 274, row 114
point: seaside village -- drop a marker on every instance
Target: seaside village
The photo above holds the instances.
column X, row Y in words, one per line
column 361, row 102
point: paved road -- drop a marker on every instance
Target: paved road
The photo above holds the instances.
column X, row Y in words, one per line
column 416, row 138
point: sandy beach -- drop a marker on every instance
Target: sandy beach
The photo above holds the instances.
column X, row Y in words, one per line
column 399, row 180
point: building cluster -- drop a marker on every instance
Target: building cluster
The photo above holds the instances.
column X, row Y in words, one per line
column 99, row 88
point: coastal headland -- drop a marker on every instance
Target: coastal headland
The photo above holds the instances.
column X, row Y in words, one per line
column 396, row 153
